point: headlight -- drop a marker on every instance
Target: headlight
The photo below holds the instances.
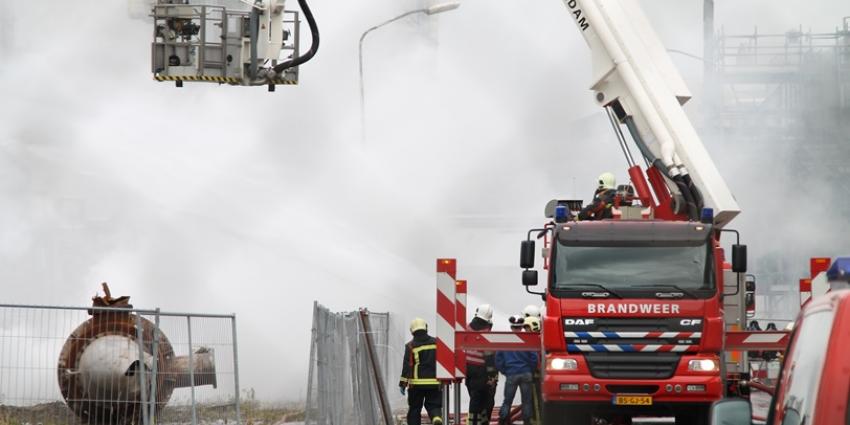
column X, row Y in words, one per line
column 703, row 365
column 563, row 364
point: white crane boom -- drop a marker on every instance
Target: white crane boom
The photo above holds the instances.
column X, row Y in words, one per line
column 633, row 74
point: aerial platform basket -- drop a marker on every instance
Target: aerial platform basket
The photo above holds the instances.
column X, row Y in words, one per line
column 229, row 42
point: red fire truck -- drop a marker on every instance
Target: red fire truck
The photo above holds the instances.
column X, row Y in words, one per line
column 643, row 313
column 639, row 307
column 634, row 322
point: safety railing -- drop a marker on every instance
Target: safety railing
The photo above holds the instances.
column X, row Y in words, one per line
column 106, row 365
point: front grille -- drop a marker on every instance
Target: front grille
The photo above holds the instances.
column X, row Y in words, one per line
column 632, row 389
column 632, row 365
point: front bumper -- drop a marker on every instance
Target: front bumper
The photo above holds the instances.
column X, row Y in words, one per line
column 683, row 387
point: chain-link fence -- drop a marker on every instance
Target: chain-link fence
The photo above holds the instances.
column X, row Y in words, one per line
column 116, row 366
column 352, row 363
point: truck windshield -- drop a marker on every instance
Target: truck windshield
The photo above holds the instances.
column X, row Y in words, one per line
column 622, row 268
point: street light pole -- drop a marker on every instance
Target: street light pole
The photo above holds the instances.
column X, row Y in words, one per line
column 438, row 8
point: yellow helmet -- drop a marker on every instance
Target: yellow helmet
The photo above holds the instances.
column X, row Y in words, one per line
column 532, row 324
column 418, row 324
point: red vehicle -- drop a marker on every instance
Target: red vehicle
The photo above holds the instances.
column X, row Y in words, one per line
column 634, row 324
column 814, row 385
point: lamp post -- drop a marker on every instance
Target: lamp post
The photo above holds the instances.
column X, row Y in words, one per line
column 433, row 10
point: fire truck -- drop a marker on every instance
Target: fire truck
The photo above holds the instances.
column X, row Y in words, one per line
column 640, row 307
column 645, row 314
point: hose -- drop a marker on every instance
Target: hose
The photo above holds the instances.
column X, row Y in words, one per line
column 698, row 199
column 314, row 47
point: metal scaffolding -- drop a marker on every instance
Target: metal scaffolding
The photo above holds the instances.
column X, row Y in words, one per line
column 786, row 96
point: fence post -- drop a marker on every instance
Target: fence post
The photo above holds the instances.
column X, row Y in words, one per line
column 313, row 363
column 236, row 369
column 141, row 369
column 376, row 372
column 154, row 365
column 191, row 370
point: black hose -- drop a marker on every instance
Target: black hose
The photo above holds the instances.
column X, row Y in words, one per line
column 314, row 47
column 687, row 196
column 693, row 212
column 698, row 199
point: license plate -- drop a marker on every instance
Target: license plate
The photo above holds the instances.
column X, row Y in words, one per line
column 633, row 400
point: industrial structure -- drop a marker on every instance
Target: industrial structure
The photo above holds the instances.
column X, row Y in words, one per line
column 112, row 363
column 788, row 95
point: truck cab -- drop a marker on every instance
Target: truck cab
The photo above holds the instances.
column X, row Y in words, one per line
column 634, row 324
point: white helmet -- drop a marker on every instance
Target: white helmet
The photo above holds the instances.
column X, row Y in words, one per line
column 607, row 181
column 531, row 310
column 484, row 312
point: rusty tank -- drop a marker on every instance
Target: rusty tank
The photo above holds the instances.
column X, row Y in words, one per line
column 100, row 363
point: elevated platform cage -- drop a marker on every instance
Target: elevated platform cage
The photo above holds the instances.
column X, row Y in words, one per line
column 228, row 42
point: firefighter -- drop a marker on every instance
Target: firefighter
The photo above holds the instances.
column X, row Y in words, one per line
column 419, row 375
column 518, row 367
column 532, row 324
column 603, row 199
column 481, row 374
column 754, row 326
column 770, row 355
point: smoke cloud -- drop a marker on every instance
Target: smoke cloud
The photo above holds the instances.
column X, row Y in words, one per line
column 223, row 199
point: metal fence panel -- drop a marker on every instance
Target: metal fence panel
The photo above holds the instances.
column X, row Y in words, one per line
column 342, row 378
column 97, row 366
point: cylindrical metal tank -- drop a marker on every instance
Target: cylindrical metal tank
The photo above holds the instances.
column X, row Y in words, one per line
column 99, row 366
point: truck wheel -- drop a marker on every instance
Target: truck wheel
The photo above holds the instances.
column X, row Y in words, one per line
column 696, row 415
column 560, row 414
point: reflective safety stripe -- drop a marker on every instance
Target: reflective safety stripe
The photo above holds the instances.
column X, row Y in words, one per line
column 416, row 360
column 424, row 347
column 403, row 379
column 424, row 381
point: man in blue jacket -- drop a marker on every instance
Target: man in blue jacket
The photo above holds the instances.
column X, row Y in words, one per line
column 518, row 367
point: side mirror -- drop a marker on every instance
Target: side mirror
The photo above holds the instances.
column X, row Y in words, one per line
column 731, row 411
column 739, row 258
column 526, row 254
column 529, row 277
column 750, row 301
column 751, row 283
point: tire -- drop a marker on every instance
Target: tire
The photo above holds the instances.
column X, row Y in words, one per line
column 694, row 415
column 565, row 414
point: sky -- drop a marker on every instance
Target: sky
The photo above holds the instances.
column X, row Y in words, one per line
column 234, row 200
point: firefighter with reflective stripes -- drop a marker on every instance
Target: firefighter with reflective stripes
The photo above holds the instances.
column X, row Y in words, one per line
column 419, row 376
column 481, row 374
column 603, row 200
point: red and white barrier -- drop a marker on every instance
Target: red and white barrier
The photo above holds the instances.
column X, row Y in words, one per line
column 460, row 326
column 756, row 340
column 499, row 341
column 445, row 329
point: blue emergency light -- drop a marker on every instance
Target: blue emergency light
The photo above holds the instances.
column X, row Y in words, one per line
column 561, row 214
column 707, row 215
column 840, row 270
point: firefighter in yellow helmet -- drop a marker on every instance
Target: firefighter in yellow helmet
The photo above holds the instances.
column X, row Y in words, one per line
column 419, row 375
column 603, row 199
